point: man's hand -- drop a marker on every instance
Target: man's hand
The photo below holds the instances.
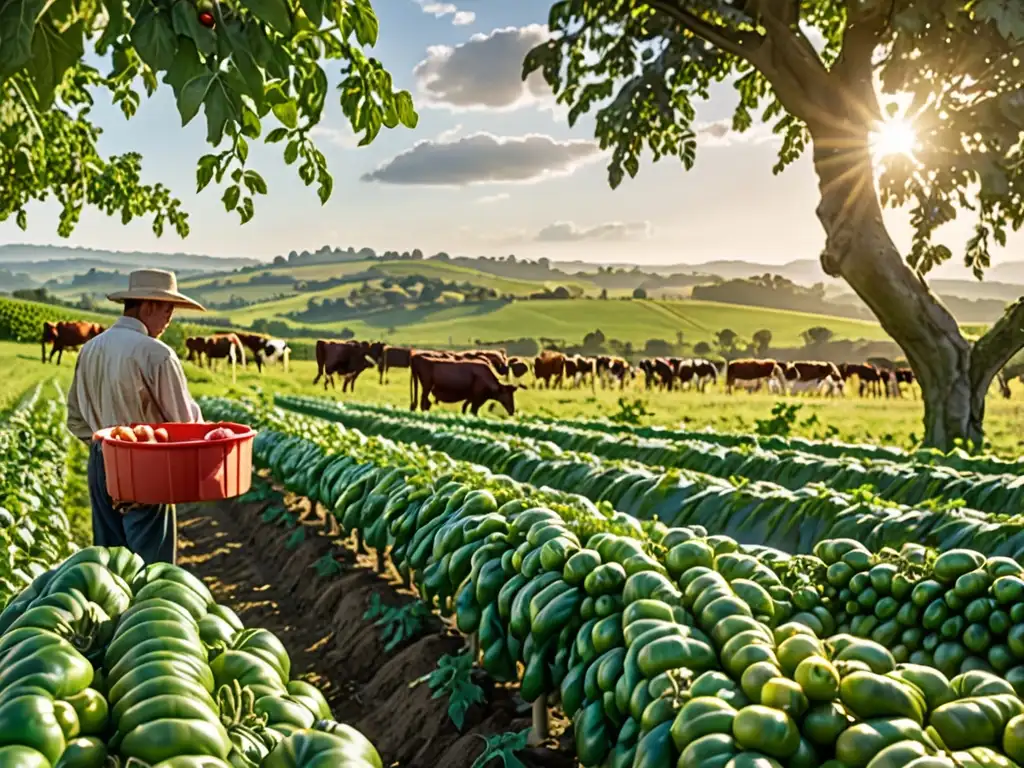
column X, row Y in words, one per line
column 124, row 507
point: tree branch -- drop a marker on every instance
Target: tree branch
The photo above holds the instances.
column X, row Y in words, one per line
column 992, row 351
column 854, row 69
column 742, row 44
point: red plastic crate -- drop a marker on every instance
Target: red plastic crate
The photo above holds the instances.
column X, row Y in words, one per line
column 186, row 469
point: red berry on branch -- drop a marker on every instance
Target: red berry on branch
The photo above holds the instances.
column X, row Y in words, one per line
column 207, row 20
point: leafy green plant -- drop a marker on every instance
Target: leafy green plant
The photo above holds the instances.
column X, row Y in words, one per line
column 503, row 746
column 630, row 412
column 327, row 566
column 783, row 419
column 397, row 623
column 454, row 678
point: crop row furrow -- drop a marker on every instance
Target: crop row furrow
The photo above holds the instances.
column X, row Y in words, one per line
column 34, row 530
column 752, row 513
column 909, row 484
column 667, row 646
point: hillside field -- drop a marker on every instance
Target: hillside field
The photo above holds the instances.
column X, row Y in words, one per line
column 570, row 320
column 884, row 422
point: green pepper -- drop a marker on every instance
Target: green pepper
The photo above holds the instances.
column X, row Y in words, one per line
column 249, row 670
column 67, row 718
column 31, row 721
column 124, row 642
column 25, row 757
column 266, row 646
column 310, row 696
column 285, row 709
column 56, row 667
column 92, row 711
column 342, row 747
column 163, row 739
column 158, row 669
column 160, row 686
column 97, row 583
column 175, row 593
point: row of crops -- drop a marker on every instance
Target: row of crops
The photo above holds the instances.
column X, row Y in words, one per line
column 34, row 530
column 23, row 320
column 106, row 662
column 958, row 458
column 901, row 483
column 751, row 513
column 672, row 645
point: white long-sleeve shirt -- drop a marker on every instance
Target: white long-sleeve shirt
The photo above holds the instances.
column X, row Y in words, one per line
column 124, row 376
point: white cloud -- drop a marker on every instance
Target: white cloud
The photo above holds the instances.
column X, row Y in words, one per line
column 568, row 232
column 449, row 134
column 440, row 10
column 484, row 73
column 341, row 137
column 721, row 134
column 483, row 158
column 488, row 199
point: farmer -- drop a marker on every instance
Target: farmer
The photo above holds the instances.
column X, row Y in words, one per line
column 124, row 376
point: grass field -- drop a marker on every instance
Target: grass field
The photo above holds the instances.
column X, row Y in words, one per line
column 884, row 422
column 632, row 321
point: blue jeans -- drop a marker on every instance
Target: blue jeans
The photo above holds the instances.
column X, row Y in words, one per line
column 150, row 532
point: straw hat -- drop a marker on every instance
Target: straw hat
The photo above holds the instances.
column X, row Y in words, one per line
column 154, row 285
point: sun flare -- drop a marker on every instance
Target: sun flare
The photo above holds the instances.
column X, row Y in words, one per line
column 894, row 137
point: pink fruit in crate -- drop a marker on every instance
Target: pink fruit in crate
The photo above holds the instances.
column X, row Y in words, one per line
column 220, row 433
column 160, row 435
column 144, row 433
column 124, row 433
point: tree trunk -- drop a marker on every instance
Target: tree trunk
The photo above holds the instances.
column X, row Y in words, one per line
column 859, row 249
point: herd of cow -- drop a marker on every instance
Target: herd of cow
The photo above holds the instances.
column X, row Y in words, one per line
column 476, row 376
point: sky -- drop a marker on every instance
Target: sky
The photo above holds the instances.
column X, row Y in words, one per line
column 491, row 169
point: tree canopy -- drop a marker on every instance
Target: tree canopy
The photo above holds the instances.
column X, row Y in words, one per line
column 840, row 76
column 254, row 68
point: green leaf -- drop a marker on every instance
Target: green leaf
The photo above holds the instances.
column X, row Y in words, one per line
column 185, row 19
column 223, row 105
column 276, row 135
column 244, row 57
column 250, row 124
column 242, row 149
column 186, row 66
column 273, row 12
column 406, row 112
column 193, row 95
column 53, row 54
column 287, row 113
column 255, row 183
column 364, row 22
column 314, row 10
column 1008, row 16
column 291, row 152
column 231, row 197
column 22, row 220
column 204, row 171
column 326, row 187
column 154, row 38
column 17, row 24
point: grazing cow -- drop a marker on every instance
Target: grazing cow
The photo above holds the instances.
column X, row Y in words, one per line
column 264, row 349
column 869, row 376
column 549, row 365
column 67, row 334
column 664, row 373
column 345, row 358
column 609, row 368
column 224, row 346
column 905, row 376
column 751, row 374
column 805, row 376
column 517, row 367
column 496, row 357
column 471, row 382
column 391, row 357
column 196, row 346
column 570, row 370
column 646, row 366
column 585, row 367
column 704, row 371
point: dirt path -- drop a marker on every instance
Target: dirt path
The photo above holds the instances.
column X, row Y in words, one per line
column 320, row 620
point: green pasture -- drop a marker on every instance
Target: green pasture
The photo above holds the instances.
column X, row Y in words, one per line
column 569, row 320
column 885, row 422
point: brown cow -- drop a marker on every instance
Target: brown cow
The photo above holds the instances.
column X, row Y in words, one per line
column 67, row 334
column 391, row 357
column 751, row 374
column 518, row 367
column 869, row 376
column 471, row 382
column 647, row 367
column 346, row 358
column 814, row 376
column 585, row 367
column 196, row 346
column 549, row 365
column 224, row 346
column 664, row 373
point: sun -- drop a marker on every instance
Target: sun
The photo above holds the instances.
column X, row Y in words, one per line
column 893, row 137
